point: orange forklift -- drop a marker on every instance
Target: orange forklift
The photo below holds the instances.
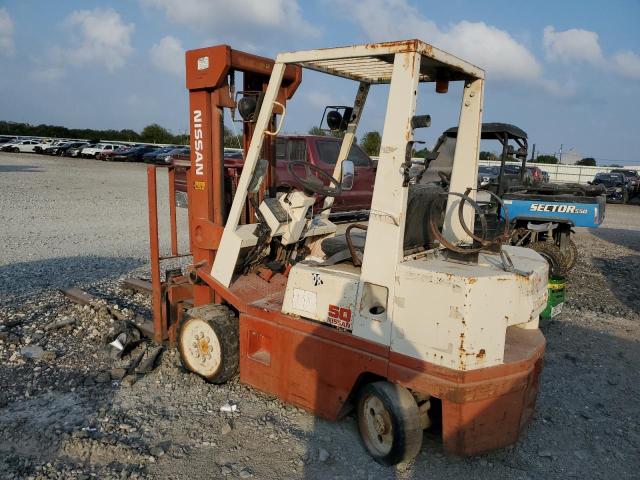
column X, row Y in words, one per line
column 391, row 317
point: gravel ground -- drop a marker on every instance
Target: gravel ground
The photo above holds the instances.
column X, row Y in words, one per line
column 70, row 409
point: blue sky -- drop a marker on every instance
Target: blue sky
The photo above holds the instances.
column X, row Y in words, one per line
column 566, row 72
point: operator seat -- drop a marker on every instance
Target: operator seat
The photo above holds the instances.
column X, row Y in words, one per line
column 446, row 147
column 416, row 231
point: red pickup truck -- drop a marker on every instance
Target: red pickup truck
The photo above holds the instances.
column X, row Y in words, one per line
column 318, row 150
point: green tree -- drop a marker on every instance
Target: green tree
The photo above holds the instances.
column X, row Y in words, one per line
column 231, row 140
column 317, row 131
column 422, row 153
column 488, row 156
column 551, row 159
column 587, row 162
column 154, row 133
column 370, row 143
column 128, row 135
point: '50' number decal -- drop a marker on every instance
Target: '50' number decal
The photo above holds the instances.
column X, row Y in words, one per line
column 339, row 316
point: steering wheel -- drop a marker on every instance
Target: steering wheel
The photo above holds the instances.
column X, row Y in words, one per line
column 311, row 183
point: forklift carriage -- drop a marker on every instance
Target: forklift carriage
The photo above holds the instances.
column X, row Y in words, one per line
column 390, row 321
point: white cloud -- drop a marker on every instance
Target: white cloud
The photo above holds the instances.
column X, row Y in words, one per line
column 6, row 33
column 168, row 55
column 577, row 45
column 100, row 40
column 627, row 64
column 493, row 49
column 105, row 38
column 248, row 19
column 574, row 44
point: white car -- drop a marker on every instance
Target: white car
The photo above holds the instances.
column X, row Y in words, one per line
column 93, row 150
column 21, row 146
column 42, row 144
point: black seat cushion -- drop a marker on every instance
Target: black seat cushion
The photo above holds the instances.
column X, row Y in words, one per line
column 416, row 230
column 338, row 243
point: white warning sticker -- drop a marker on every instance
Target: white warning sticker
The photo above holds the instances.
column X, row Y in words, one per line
column 304, row 300
column 203, row 63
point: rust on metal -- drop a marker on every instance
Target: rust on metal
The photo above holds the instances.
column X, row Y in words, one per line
column 154, row 248
column 172, row 210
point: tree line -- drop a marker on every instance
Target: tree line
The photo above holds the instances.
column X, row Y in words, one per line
column 153, row 133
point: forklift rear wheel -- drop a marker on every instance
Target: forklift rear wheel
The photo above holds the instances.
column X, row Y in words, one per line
column 552, row 254
column 389, row 422
column 208, row 342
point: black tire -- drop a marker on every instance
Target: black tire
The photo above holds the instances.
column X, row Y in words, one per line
column 209, row 321
column 551, row 253
column 391, row 433
column 570, row 257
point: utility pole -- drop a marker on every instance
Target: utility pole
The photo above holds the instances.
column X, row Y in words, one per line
column 560, row 159
column 533, row 153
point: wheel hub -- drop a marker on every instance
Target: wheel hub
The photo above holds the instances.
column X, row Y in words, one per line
column 378, row 425
column 201, row 347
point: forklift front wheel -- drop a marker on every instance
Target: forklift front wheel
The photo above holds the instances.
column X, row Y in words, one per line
column 389, row 422
column 208, row 342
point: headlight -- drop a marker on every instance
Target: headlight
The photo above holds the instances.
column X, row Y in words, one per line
column 618, row 190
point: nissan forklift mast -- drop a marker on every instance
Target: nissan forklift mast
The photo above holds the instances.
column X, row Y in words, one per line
column 209, row 79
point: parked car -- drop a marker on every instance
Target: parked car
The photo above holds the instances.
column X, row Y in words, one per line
column 167, row 158
column 52, row 149
column 317, row 150
column 44, row 144
column 512, row 172
column 65, row 148
column 20, row 146
column 633, row 178
column 132, row 154
column 536, row 175
column 107, row 155
column 150, row 156
column 77, row 151
column 488, row 174
column 7, row 146
column 4, row 139
column 617, row 186
column 92, row 151
column 546, row 178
